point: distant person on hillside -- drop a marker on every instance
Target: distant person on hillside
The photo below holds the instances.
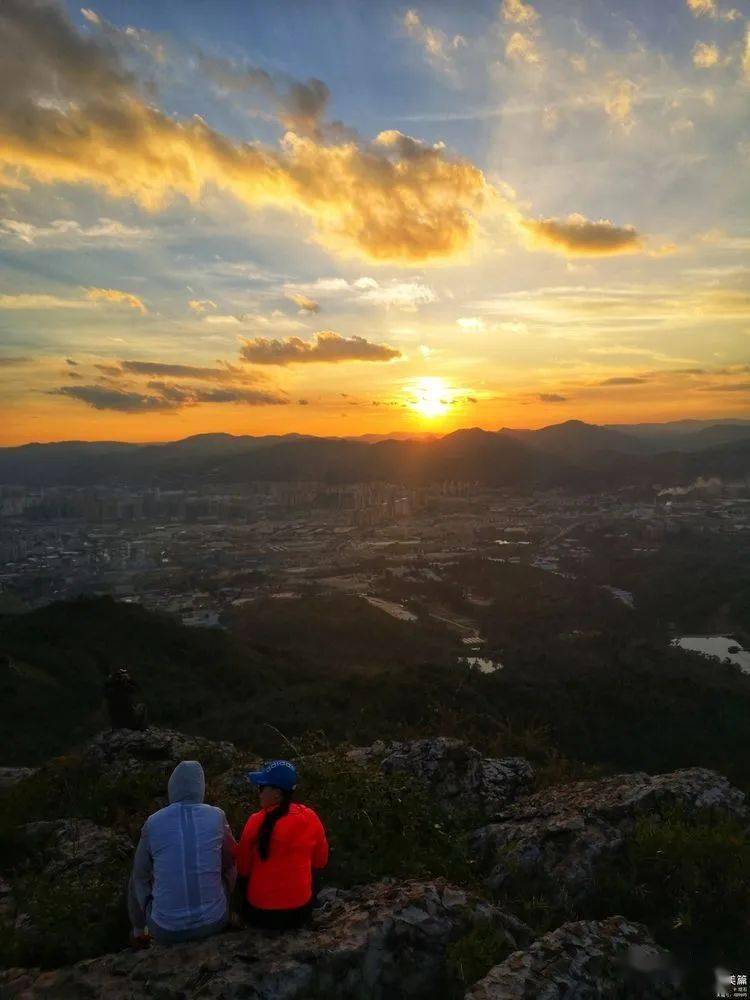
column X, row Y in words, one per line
column 279, row 848
column 184, row 870
column 120, row 691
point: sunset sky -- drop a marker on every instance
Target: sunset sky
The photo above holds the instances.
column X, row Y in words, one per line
column 346, row 216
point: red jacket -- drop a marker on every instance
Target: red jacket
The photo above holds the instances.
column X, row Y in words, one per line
column 284, row 880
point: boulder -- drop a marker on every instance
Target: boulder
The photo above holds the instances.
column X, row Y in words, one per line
column 563, row 833
column 452, row 771
column 588, row 960
column 124, row 752
column 379, row 941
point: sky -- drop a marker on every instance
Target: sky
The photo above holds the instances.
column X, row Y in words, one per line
column 342, row 217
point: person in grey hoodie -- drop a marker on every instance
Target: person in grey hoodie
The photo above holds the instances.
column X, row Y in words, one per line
column 184, row 869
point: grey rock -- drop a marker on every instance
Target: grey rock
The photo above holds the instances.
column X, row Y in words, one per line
column 588, row 960
column 123, row 752
column 452, row 771
column 563, row 834
column 380, row 941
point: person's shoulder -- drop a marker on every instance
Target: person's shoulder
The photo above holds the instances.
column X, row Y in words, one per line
column 159, row 814
column 306, row 812
column 216, row 811
column 254, row 818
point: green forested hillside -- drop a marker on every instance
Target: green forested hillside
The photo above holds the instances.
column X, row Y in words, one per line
column 338, row 667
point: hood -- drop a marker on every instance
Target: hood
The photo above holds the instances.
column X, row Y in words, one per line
column 187, row 783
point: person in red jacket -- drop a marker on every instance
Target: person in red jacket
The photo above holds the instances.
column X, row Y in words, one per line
column 280, row 846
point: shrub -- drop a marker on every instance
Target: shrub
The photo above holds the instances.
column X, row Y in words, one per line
column 471, row 957
column 688, row 878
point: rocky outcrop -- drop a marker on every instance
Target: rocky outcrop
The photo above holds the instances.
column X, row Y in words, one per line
column 124, row 752
column 11, row 776
column 380, row 941
column 562, row 834
column 588, row 960
column 452, row 771
column 69, row 866
column 74, row 847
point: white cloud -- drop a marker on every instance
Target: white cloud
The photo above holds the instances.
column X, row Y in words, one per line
column 68, row 232
column 222, row 320
column 473, row 324
column 406, row 295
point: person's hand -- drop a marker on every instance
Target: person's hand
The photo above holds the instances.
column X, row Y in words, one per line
column 139, row 938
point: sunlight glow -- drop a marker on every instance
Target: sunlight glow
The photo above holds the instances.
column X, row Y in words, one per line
column 430, row 397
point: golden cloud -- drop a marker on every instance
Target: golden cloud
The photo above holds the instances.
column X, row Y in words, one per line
column 40, row 300
column 518, row 12
column 618, row 102
column 436, row 44
column 200, row 306
column 117, row 297
column 327, row 347
column 705, row 55
column 303, row 302
column 69, row 113
column 521, row 48
column 579, row 236
column 709, row 8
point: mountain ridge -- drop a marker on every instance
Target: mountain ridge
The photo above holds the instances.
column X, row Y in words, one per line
column 571, row 454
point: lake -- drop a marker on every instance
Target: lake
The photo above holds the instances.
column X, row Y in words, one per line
column 716, row 646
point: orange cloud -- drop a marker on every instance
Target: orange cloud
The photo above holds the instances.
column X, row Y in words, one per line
column 303, row 302
column 578, row 236
column 163, row 396
column 117, row 297
column 200, row 306
column 327, row 347
column 69, row 113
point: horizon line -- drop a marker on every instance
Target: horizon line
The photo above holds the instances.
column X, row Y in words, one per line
column 404, row 435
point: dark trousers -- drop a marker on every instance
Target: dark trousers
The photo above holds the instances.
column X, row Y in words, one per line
column 277, row 920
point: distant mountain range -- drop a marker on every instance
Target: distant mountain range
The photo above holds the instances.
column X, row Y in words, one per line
column 571, row 454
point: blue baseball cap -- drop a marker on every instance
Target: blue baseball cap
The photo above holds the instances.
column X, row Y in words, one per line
column 279, row 773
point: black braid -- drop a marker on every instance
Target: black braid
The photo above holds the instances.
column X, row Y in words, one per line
column 270, row 821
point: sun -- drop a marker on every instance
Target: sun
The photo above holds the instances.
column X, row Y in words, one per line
column 430, row 397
